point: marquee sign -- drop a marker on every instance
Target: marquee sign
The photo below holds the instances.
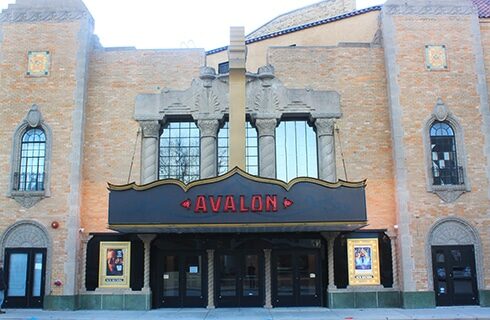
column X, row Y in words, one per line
column 237, row 202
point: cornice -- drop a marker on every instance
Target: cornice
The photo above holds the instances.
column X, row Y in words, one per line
column 429, row 10
column 43, row 16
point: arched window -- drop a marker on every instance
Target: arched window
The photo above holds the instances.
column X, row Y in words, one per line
column 179, row 151
column 296, row 150
column 445, row 154
column 445, row 169
column 32, row 160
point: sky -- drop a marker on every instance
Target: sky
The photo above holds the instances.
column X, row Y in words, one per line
column 158, row 24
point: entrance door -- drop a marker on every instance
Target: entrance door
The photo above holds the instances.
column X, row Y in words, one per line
column 296, row 278
column 25, row 271
column 182, row 280
column 454, row 275
column 239, row 279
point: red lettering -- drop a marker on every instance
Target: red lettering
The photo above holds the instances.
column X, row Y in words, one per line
column 271, row 203
column 242, row 205
column 229, row 204
column 215, row 205
column 257, row 203
column 201, row 206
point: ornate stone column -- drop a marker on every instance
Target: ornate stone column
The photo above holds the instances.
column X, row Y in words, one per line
column 268, row 282
column 83, row 267
column 331, row 263
column 267, row 147
column 147, row 239
column 209, row 135
column 210, row 279
column 394, row 259
column 149, row 151
column 326, row 149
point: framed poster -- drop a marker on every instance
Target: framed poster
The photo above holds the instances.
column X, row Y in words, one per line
column 114, row 264
column 363, row 262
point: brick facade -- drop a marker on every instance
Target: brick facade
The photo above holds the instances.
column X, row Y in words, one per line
column 375, row 61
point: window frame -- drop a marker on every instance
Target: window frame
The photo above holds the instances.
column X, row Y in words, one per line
column 296, row 117
column 447, row 192
column 28, row 198
column 164, row 127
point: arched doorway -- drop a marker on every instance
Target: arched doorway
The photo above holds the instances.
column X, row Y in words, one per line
column 454, row 262
column 25, row 246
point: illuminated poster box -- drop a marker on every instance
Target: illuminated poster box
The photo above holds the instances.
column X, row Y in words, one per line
column 114, row 264
column 363, row 262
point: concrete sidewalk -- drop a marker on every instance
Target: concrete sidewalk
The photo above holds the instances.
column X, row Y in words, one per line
column 257, row 314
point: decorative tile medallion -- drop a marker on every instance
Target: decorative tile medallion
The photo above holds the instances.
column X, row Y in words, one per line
column 435, row 57
column 38, row 63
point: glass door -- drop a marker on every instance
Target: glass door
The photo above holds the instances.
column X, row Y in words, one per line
column 454, row 275
column 296, row 278
column 183, row 280
column 25, row 275
column 239, row 279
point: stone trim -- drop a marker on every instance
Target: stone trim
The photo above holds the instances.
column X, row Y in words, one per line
column 28, row 199
column 29, row 234
column 453, row 231
column 402, row 194
column 448, row 193
column 429, row 10
column 43, row 16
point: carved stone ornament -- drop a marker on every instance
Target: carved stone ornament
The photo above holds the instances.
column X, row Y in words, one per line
column 209, row 128
column 151, row 129
column 266, row 127
column 37, row 16
column 34, row 117
column 448, row 195
column 27, row 199
column 324, row 126
column 26, row 236
column 440, row 110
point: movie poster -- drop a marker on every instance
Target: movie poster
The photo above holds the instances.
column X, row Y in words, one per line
column 363, row 262
column 114, row 265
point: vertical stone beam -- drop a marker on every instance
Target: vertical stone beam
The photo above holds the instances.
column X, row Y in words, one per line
column 331, row 264
column 149, row 152
column 326, row 149
column 83, row 267
column 209, row 152
column 237, row 80
column 268, row 280
column 210, row 279
column 267, row 147
column 147, row 239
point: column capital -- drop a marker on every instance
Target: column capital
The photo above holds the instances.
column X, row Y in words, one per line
column 209, row 128
column 151, row 129
column 266, row 127
column 147, row 237
column 324, row 126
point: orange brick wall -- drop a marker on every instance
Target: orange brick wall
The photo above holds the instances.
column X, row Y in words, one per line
column 358, row 75
column 116, row 78
column 55, row 96
column 419, row 90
